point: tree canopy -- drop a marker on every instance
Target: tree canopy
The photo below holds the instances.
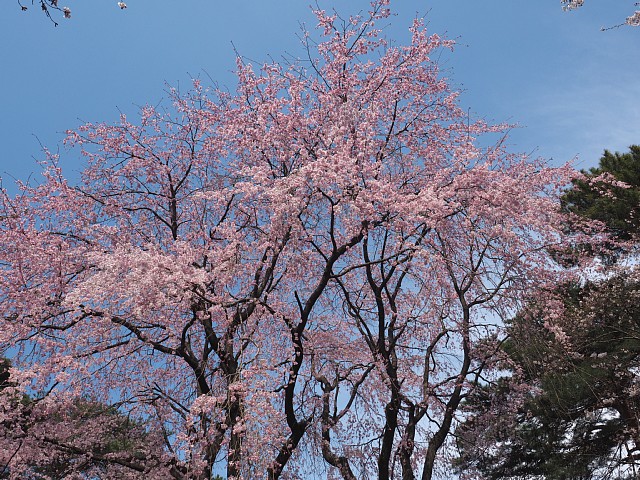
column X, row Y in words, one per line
column 295, row 278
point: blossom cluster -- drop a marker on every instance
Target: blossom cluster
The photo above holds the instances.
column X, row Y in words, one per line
column 633, row 20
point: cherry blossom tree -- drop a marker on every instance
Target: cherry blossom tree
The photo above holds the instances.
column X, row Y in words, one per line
column 287, row 280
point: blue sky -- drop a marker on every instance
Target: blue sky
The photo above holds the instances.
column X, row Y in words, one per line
column 573, row 89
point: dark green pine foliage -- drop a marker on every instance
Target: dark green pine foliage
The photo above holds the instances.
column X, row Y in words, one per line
column 616, row 206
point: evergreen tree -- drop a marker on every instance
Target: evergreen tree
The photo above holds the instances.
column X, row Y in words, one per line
column 614, row 204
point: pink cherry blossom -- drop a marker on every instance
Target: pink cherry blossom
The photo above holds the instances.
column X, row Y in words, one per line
column 305, row 275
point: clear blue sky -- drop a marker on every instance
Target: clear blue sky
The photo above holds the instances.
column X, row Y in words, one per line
column 574, row 89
